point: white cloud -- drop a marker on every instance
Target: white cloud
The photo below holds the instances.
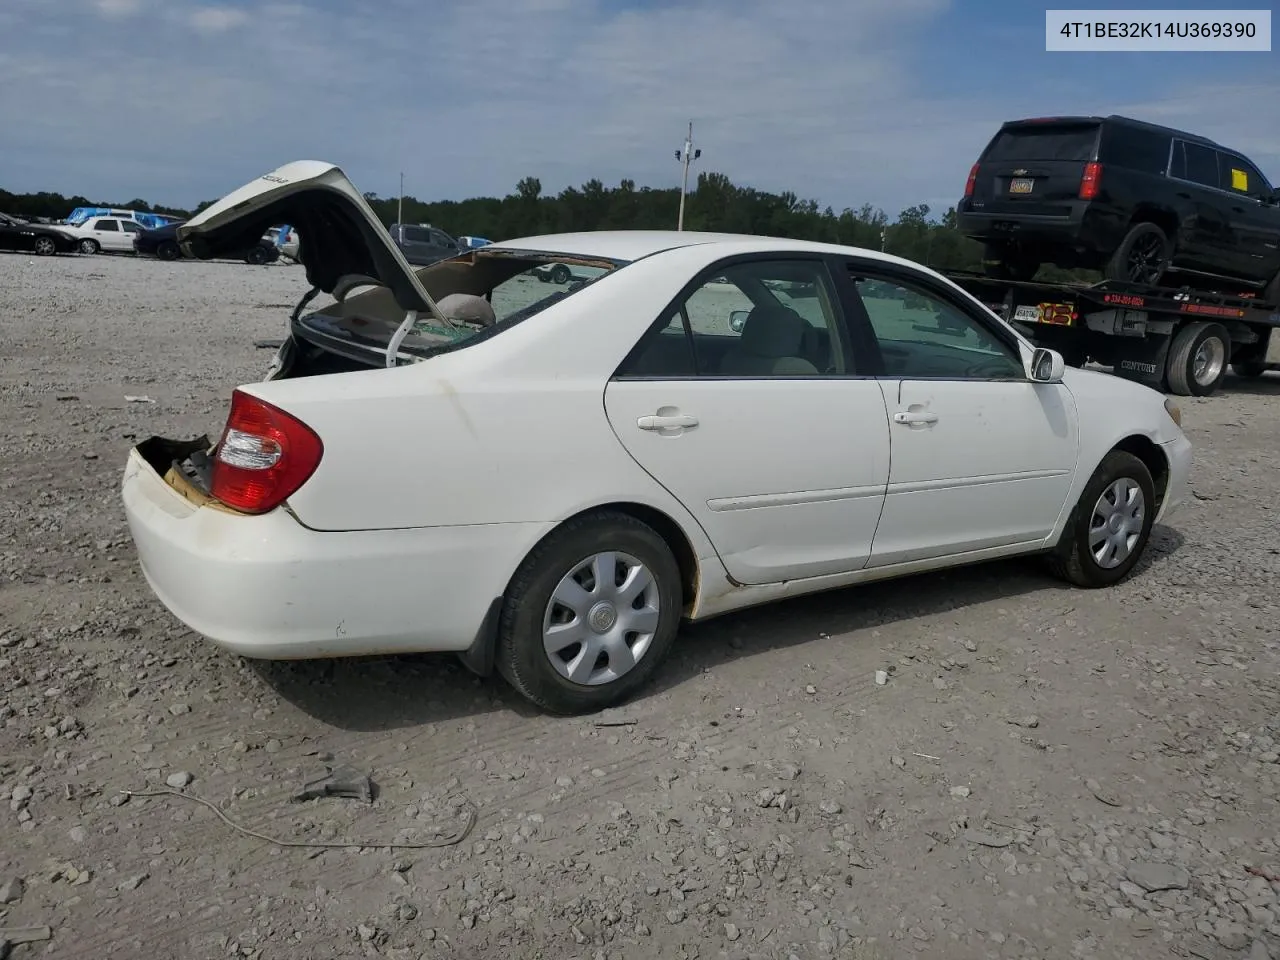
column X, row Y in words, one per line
column 117, row 8
column 217, row 19
column 836, row 101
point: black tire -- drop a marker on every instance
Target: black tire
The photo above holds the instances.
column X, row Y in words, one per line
column 1186, row 377
column 521, row 655
column 168, row 250
column 1142, row 257
column 1073, row 559
column 256, row 256
column 560, row 273
column 88, row 246
column 44, row 247
column 1005, row 263
column 1250, row 369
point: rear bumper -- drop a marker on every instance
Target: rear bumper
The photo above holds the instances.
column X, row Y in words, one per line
column 1178, row 454
column 268, row 587
column 1083, row 225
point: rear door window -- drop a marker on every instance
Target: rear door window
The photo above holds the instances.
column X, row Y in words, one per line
column 110, row 226
column 1035, row 142
column 1195, row 162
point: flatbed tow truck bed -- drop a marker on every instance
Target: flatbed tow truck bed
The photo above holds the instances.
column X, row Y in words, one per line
column 1177, row 340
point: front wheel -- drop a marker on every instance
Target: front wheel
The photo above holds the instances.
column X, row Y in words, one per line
column 256, row 256
column 590, row 614
column 89, row 246
column 1110, row 526
column 559, row 273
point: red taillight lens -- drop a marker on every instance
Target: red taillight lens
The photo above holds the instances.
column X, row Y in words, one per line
column 973, row 179
column 1090, row 181
column 264, row 456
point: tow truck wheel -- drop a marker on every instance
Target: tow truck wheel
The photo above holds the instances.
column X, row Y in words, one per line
column 1197, row 360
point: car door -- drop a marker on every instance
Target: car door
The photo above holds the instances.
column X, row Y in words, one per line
column 765, row 433
column 980, row 455
column 10, row 234
column 106, row 230
column 130, row 231
column 1255, row 218
column 1206, row 240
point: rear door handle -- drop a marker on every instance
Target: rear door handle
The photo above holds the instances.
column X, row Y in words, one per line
column 914, row 416
column 666, row 423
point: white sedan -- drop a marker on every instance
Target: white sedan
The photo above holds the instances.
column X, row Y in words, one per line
column 546, row 482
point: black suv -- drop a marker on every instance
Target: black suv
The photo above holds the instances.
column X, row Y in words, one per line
column 1131, row 199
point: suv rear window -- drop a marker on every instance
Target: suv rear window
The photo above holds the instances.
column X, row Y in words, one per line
column 1044, row 142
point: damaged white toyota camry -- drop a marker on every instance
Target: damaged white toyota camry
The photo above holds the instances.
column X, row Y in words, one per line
column 546, row 479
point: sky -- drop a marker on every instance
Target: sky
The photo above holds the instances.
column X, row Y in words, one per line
column 847, row 102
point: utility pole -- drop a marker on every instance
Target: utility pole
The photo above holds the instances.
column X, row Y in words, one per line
column 400, row 202
column 687, row 156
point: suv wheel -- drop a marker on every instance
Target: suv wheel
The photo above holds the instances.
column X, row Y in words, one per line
column 1142, row 257
column 1198, row 359
column 1008, row 263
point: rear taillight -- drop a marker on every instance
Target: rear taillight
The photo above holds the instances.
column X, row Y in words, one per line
column 1090, row 181
column 264, row 456
column 973, row 179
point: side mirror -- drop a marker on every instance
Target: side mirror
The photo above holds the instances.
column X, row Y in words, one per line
column 1047, row 366
column 737, row 320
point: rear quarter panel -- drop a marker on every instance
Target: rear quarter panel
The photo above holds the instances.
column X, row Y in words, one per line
column 509, row 430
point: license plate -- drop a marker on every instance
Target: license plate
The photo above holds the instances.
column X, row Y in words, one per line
column 1021, row 185
column 1027, row 314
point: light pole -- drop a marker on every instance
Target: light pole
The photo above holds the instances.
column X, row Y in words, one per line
column 687, row 156
column 400, row 202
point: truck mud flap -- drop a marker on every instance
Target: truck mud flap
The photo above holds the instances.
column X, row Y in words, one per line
column 1141, row 359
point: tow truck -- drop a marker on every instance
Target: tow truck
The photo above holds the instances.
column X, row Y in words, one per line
column 1178, row 340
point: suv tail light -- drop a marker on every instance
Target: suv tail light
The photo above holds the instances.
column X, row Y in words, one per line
column 264, row 456
column 973, row 179
column 1090, row 181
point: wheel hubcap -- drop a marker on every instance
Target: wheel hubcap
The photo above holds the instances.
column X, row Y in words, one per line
column 44, row 246
column 1116, row 525
column 601, row 619
column 1210, row 358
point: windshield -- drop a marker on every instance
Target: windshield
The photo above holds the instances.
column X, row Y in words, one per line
column 482, row 292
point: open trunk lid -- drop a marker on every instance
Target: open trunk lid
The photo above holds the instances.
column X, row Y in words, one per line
column 342, row 239
column 1034, row 167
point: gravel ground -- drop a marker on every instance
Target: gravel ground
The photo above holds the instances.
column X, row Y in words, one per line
column 1048, row 773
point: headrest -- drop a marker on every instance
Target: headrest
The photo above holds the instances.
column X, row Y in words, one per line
column 773, row 332
column 467, row 308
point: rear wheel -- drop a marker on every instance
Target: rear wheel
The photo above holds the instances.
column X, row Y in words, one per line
column 1110, row 526
column 256, row 255
column 560, row 273
column 44, row 247
column 1248, row 368
column 1197, row 360
column 1142, row 257
column 89, row 246
column 590, row 614
column 168, row 250
column 1008, row 263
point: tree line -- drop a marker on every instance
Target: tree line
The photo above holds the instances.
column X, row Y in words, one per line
column 715, row 204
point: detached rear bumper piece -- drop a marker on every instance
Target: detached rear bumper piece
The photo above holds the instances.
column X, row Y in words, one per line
column 267, row 587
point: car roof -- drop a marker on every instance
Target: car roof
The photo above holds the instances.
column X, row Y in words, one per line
column 1116, row 118
column 628, row 245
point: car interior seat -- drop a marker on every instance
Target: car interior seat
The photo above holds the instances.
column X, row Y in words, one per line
column 772, row 344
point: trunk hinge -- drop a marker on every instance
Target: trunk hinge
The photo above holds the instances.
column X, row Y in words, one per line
column 397, row 338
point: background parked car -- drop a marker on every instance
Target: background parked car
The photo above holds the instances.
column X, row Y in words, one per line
column 105, row 234
column 162, row 242
column 1132, row 199
column 18, row 234
column 422, row 243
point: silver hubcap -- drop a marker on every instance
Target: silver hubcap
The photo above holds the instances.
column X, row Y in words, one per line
column 1210, row 358
column 44, row 246
column 601, row 619
column 1117, row 523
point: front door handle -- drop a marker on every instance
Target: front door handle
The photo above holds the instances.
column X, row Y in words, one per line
column 915, row 416
column 673, row 422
